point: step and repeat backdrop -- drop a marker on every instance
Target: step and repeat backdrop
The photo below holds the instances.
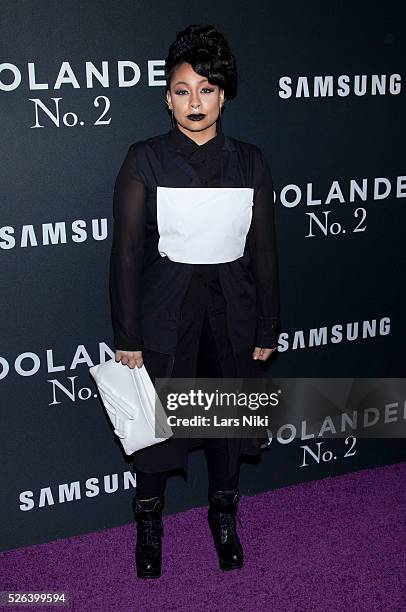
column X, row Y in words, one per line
column 322, row 92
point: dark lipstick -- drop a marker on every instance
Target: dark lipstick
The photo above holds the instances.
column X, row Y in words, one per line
column 196, row 117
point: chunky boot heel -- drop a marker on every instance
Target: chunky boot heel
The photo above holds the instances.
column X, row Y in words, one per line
column 221, row 517
column 148, row 552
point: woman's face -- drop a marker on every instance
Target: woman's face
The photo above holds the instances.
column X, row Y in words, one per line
column 191, row 95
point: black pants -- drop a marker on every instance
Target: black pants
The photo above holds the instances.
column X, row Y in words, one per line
column 215, row 449
column 203, row 350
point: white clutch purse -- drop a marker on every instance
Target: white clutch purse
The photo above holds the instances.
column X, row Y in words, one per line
column 132, row 405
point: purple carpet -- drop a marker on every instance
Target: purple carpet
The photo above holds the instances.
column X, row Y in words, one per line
column 329, row 545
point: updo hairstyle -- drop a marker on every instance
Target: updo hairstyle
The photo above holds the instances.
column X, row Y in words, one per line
column 207, row 51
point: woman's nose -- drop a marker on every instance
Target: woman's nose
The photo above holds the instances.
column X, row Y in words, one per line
column 195, row 101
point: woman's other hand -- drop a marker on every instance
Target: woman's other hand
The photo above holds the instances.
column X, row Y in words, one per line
column 262, row 354
column 130, row 358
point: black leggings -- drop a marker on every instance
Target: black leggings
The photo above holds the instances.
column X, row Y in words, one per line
column 215, row 449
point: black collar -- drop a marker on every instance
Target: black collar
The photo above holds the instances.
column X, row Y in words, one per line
column 185, row 145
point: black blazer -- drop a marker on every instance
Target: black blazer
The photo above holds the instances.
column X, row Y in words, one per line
column 146, row 289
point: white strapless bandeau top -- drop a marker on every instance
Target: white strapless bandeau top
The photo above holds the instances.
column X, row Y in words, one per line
column 203, row 225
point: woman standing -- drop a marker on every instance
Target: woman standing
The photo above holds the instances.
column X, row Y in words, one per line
column 194, row 274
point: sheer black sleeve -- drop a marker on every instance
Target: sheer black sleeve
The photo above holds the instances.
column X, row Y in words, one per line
column 263, row 250
column 129, row 212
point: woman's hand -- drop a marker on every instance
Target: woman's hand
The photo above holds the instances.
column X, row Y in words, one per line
column 130, row 358
column 262, row 354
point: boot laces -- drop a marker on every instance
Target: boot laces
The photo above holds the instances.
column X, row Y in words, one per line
column 227, row 524
column 149, row 531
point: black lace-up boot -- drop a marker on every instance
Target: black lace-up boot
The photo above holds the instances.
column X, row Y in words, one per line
column 148, row 553
column 221, row 517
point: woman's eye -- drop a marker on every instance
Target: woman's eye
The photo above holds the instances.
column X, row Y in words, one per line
column 180, row 92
